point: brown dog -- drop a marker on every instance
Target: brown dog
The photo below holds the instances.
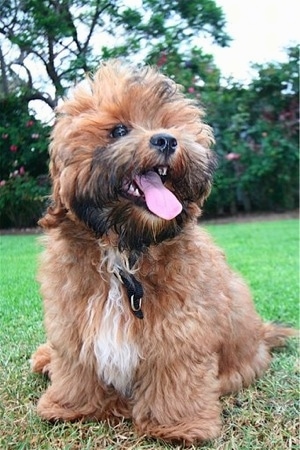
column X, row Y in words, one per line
column 144, row 318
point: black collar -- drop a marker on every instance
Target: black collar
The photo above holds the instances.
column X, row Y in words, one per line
column 135, row 293
column 133, row 287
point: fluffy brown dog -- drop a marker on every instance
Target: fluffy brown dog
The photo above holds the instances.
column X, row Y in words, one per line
column 144, row 318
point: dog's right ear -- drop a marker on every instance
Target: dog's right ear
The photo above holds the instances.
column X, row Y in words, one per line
column 56, row 211
column 55, row 214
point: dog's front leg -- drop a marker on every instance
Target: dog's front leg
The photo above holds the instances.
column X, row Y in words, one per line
column 76, row 392
column 178, row 400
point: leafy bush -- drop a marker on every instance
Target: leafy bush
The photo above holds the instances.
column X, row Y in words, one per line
column 22, row 201
column 257, row 139
column 23, row 164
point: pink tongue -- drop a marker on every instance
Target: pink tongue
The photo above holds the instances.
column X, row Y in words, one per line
column 159, row 199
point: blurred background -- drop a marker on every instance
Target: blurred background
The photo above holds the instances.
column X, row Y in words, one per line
column 238, row 59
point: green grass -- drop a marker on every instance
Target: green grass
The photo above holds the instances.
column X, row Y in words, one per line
column 264, row 416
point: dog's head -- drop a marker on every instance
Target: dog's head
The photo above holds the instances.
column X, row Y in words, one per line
column 130, row 156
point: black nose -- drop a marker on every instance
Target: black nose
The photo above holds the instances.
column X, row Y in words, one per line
column 165, row 143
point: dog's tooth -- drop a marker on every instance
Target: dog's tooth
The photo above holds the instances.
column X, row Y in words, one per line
column 162, row 171
column 131, row 189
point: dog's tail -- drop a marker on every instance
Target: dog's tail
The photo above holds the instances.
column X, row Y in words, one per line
column 276, row 335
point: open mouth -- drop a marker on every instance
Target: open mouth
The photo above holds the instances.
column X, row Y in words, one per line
column 132, row 188
column 148, row 190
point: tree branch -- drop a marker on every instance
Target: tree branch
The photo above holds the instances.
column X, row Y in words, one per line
column 97, row 14
column 20, row 63
column 50, row 67
column 4, row 79
column 43, row 96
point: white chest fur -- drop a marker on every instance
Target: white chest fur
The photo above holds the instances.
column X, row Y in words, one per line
column 116, row 352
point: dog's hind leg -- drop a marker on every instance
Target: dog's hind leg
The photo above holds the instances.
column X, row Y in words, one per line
column 248, row 356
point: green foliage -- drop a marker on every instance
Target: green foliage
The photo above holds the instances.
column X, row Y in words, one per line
column 22, row 201
column 257, row 139
column 60, row 35
column 23, row 164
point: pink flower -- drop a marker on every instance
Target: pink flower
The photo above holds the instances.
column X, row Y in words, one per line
column 22, row 170
column 232, row 156
column 13, row 148
column 2, row 183
column 191, row 90
column 162, row 60
column 30, row 123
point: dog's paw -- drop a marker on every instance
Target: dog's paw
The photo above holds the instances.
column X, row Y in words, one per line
column 40, row 361
column 188, row 431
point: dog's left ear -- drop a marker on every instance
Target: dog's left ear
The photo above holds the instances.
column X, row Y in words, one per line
column 208, row 174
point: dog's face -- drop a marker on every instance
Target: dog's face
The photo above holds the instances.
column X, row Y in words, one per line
column 130, row 155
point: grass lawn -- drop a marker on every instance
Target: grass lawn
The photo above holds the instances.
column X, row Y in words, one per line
column 265, row 416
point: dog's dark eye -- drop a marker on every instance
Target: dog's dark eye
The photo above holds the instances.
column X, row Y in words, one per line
column 119, row 131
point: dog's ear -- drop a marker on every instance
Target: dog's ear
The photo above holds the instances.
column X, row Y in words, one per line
column 60, row 154
column 202, row 166
column 54, row 216
column 56, row 211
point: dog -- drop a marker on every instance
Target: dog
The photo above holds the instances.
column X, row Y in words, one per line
column 144, row 318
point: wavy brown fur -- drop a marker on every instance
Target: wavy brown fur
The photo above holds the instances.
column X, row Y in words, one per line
column 200, row 337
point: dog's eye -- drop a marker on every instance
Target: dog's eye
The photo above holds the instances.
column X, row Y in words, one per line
column 119, row 131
